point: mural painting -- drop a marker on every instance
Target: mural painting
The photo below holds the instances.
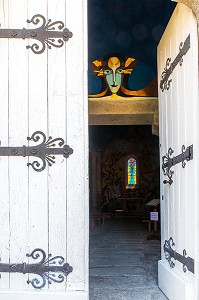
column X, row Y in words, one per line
column 115, row 72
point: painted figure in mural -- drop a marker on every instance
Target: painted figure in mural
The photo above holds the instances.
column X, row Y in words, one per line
column 114, row 71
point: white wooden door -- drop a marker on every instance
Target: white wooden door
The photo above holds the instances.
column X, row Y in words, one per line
column 48, row 209
column 179, row 129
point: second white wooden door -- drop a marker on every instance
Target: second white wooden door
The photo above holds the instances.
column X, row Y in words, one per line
column 179, row 139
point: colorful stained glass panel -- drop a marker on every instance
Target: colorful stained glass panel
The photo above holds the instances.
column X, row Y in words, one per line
column 131, row 172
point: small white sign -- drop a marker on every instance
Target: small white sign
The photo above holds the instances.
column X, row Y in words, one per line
column 154, row 215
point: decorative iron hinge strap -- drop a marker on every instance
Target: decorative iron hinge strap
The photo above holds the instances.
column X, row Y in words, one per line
column 170, row 66
column 46, row 151
column 168, row 161
column 45, row 34
column 49, row 269
column 188, row 262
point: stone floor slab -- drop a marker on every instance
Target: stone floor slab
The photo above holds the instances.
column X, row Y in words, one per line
column 123, row 263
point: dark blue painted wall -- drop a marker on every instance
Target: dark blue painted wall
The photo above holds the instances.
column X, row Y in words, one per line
column 130, row 27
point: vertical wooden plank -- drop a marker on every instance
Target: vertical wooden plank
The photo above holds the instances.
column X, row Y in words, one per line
column 57, row 182
column 38, row 104
column 176, row 138
column 163, row 127
column 191, row 137
column 180, row 99
column 4, row 183
column 77, row 137
column 18, row 124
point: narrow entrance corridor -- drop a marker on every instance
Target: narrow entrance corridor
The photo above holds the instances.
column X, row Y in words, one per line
column 123, row 263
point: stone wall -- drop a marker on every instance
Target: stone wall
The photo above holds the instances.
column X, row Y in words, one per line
column 118, row 143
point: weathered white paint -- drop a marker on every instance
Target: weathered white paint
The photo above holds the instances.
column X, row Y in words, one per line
column 4, row 203
column 173, row 285
column 17, row 295
column 179, row 123
column 17, row 131
column 46, row 92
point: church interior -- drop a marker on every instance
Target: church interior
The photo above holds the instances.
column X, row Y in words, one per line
column 123, row 102
column 110, row 149
column 124, row 162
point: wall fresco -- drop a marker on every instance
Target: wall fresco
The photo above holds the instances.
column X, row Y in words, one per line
column 116, row 74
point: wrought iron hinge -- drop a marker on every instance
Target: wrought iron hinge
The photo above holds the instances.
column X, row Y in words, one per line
column 170, row 66
column 46, row 151
column 168, row 161
column 45, row 34
column 50, row 269
column 188, row 262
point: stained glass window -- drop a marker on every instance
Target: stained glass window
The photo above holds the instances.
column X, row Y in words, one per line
column 132, row 178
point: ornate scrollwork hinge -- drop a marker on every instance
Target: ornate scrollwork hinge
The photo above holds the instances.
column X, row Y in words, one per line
column 45, row 34
column 50, row 269
column 188, row 262
column 168, row 161
column 46, row 151
column 170, row 66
